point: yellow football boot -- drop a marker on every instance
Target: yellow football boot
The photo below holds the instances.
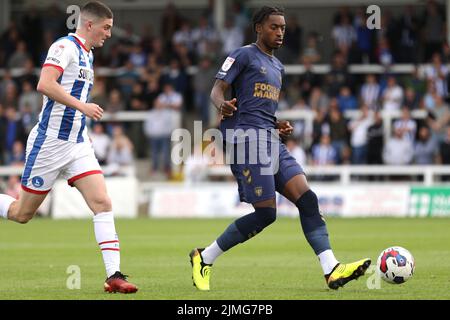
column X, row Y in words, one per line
column 200, row 270
column 344, row 273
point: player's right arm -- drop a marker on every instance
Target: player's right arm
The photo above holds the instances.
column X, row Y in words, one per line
column 232, row 67
column 49, row 86
column 225, row 107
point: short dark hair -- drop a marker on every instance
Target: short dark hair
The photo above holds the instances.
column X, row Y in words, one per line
column 263, row 13
column 97, row 9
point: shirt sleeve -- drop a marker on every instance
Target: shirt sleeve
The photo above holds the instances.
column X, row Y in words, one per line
column 59, row 55
column 233, row 66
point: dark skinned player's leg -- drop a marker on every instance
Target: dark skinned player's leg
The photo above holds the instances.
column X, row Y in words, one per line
column 242, row 229
column 313, row 225
column 257, row 187
column 291, row 182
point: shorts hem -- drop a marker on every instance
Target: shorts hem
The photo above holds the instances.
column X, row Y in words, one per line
column 82, row 175
column 24, row 188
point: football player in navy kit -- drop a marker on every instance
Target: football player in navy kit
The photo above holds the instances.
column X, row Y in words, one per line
column 255, row 75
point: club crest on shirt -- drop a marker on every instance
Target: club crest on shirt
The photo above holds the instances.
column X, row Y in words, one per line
column 37, row 181
column 263, row 70
column 57, row 51
column 258, row 191
column 228, row 63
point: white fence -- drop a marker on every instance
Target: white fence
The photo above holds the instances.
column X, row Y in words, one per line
column 429, row 175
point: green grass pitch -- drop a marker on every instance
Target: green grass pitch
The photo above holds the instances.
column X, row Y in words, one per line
column 277, row 264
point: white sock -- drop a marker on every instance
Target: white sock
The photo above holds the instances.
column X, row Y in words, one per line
column 210, row 254
column 107, row 239
column 327, row 261
column 5, row 203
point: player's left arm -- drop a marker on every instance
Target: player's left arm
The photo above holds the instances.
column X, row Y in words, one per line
column 284, row 127
column 225, row 107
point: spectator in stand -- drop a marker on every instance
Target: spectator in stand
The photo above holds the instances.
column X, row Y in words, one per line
column 384, row 53
column 101, row 142
column 20, row 56
column 98, row 93
column 437, row 72
column 136, row 101
column 158, row 127
column 338, row 132
column 398, row 150
column 406, row 124
column 416, row 82
column 30, row 97
column 206, row 39
column 115, row 102
column 433, row 29
column 364, row 36
column 184, row 35
column 13, row 186
column 411, row 100
column 296, row 151
column 358, row 138
column 425, row 148
column 429, row 99
column 438, row 118
column 346, row 100
column 375, row 140
column 202, row 85
column 338, row 75
column 13, row 130
column 120, row 154
column 408, row 31
column 321, row 126
column 231, row 37
column 32, row 31
column 11, row 96
column 28, row 118
column 28, row 74
column 151, row 92
column 311, row 51
column 292, row 39
column 127, row 77
column 318, row 99
column 343, row 35
column 392, row 96
column 324, row 153
column 5, row 83
column 308, row 79
column 17, row 155
column 175, row 75
column 170, row 22
column 138, row 57
column 370, row 92
column 444, row 148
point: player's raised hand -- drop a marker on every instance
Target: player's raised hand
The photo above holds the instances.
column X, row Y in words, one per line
column 93, row 111
column 285, row 128
column 227, row 108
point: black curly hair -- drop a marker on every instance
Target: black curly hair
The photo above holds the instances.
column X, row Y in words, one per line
column 263, row 13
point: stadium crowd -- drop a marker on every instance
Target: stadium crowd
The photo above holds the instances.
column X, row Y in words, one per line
column 150, row 74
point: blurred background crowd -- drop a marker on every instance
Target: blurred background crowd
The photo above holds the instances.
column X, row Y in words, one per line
column 169, row 74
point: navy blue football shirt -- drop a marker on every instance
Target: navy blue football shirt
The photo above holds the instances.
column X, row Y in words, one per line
column 255, row 78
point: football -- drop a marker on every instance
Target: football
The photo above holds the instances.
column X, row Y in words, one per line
column 395, row 265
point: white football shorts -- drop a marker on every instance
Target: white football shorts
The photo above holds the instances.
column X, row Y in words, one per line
column 48, row 158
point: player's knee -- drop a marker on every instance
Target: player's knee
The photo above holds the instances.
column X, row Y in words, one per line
column 308, row 204
column 101, row 204
column 266, row 216
column 24, row 218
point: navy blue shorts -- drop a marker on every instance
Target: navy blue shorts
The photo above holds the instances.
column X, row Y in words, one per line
column 259, row 181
